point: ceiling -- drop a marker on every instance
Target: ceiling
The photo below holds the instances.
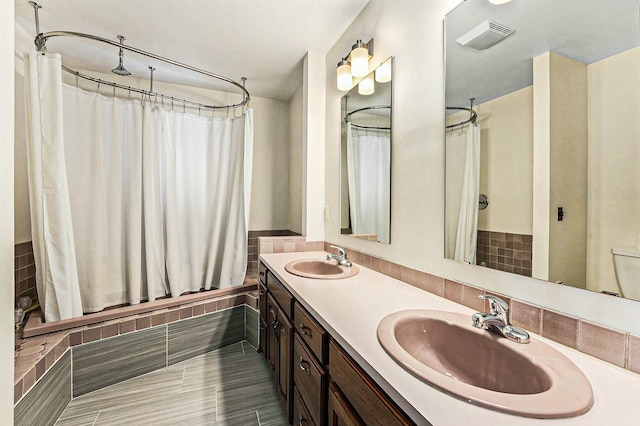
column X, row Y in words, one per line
column 584, row 30
column 263, row 40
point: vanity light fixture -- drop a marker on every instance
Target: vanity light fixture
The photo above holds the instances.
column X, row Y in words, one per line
column 355, row 64
column 383, row 72
column 366, row 85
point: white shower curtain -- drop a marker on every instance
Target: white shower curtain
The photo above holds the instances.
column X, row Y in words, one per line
column 369, row 177
column 158, row 200
column 51, row 227
column 463, row 191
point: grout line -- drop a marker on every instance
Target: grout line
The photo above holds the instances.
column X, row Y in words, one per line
column 184, row 371
column 258, row 418
column 96, row 419
column 242, row 346
column 216, row 391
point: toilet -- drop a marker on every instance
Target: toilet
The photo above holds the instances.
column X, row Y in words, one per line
column 626, row 262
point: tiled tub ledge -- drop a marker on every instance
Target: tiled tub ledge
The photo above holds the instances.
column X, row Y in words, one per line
column 88, row 366
column 35, row 356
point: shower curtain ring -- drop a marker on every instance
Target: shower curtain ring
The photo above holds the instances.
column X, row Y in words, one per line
column 76, row 79
column 129, row 92
column 184, row 107
column 199, row 107
column 172, row 103
column 98, row 87
column 162, row 101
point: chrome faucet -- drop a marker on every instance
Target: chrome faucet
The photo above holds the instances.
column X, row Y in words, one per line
column 497, row 320
column 341, row 257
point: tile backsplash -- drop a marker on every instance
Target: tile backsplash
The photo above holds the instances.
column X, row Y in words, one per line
column 252, row 258
column 610, row 345
column 505, row 252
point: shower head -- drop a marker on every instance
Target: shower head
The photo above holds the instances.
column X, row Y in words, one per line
column 120, row 69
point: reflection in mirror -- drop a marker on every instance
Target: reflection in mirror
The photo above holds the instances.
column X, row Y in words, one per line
column 365, row 157
column 554, row 147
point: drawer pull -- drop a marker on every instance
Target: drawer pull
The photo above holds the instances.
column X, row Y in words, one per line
column 302, row 421
column 305, row 330
column 275, row 324
column 262, row 292
column 262, row 273
column 304, row 366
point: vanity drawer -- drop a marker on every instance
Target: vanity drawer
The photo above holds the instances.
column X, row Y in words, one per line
column 311, row 332
column 301, row 416
column 309, row 377
column 262, row 273
column 370, row 403
column 282, row 295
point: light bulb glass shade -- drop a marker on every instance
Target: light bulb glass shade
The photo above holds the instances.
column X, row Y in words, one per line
column 383, row 72
column 343, row 73
column 359, row 62
column 366, row 85
column 499, row 1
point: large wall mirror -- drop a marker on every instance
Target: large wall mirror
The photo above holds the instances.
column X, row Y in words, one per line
column 545, row 180
column 365, row 157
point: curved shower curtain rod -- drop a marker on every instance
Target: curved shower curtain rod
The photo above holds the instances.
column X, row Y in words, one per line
column 473, row 115
column 347, row 118
column 41, row 40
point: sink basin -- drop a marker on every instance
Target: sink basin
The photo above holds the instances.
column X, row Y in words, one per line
column 446, row 351
column 320, row 269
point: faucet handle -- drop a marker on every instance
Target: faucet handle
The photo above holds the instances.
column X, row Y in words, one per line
column 497, row 305
column 341, row 251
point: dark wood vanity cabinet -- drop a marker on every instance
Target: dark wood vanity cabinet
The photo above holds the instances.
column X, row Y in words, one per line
column 318, row 382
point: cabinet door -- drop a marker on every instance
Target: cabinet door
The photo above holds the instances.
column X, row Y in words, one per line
column 339, row 409
column 284, row 375
column 273, row 327
column 371, row 404
column 264, row 315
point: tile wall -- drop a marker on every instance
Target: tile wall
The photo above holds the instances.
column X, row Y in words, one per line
column 505, row 252
column 25, row 271
column 252, row 260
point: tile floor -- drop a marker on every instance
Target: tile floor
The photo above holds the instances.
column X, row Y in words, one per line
column 229, row 386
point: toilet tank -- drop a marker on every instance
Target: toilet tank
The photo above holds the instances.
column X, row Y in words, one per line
column 626, row 262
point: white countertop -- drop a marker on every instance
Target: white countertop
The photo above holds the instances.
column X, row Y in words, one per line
column 350, row 310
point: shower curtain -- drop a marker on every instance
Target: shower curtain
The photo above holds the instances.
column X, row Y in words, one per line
column 157, row 200
column 463, row 192
column 369, row 177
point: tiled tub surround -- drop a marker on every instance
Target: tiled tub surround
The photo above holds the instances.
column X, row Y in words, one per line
column 36, row 355
column 252, row 259
column 505, row 252
column 24, row 271
column 104, row 362
column 351, row 309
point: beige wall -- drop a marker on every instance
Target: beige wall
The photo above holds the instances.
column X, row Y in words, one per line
column 417, row 224
column 614, row 163
column 560, row 169
column 295, row 162
column 6, row 212
column 270, row 180
column 506, row 162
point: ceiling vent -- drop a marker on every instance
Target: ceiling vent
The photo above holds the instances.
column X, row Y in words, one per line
column 485, row 35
